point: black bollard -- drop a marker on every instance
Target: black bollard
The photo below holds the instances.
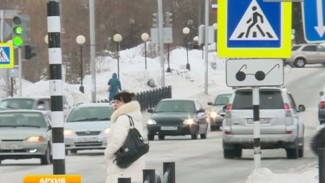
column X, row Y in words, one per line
column 321, row 164
column 169, row 168
column 149, row 176
column 124, row 180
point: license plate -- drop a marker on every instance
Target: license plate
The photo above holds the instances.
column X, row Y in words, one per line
column 169, row 128
column 262, row 121
column 88, row 139
column 11, row 146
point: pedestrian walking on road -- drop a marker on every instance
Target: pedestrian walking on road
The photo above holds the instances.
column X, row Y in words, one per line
column 114, row 85
column 123, row 105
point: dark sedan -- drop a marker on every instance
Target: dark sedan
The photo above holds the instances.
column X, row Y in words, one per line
column 173, row 117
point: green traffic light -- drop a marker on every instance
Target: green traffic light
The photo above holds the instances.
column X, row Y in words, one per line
column 17, row 41
column 18, row 30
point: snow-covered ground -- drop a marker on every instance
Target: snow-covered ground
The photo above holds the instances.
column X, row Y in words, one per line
column 185, row 84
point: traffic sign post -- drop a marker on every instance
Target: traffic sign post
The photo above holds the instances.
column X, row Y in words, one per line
column 6, row 55
column 254, row 29
column 313, row 19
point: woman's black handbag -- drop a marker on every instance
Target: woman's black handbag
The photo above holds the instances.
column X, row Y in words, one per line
column 133, row 148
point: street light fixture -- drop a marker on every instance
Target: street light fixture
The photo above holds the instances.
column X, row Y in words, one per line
column 145, row 37
column 80, row 41
column 186, row 31
column 118, row 38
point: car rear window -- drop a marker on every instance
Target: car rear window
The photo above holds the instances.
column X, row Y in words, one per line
column 268, row 100
column 294, row 48
column 17, row 104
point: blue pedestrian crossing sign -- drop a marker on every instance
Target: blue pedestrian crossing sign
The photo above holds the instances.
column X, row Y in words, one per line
column 313, row 18
column 254, row 29
column 6, row 55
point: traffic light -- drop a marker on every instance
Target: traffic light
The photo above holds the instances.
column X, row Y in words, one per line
column 29, row 51
column 21, row 30
column 155, row 20
column 169, row 19
column 17, row 31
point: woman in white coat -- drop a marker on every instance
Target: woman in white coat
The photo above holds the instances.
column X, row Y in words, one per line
column 124, row 105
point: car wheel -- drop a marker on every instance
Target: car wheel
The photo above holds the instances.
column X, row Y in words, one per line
column 161, row 137
column 66, row 152
column 217, row 128
column 46, row 159
column 300, row 62
column 195, row 134
column 238, row 152
column 293, row 153
column 213, row 128
column 301, row 151
column 151, row 137
column 228, row 153
column 73, row 151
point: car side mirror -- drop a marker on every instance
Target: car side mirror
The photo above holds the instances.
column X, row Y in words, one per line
column 150, row 110
column 301, row 108
column 201, row 110
column 210, row 103
column 41, row 107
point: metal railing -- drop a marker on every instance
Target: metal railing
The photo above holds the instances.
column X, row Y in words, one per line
column 149, row 99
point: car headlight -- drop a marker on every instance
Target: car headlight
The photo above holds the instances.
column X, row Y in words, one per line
column 35, row 139
column 106, row 131
column 151, row 122
column 67, row 132
column 188, row 121
column 214, row 114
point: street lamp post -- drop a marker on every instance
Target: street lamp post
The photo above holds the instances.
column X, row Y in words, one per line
column 80, row 41
column 215, row 27
column 118, row 38
column 186, row 31
column 145, row 37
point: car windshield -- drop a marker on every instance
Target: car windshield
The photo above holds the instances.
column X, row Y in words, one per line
column 175, row 106
column 268, row 100
column 222, row 99
column 22, row 119
column 17, row 104
column 80, row 114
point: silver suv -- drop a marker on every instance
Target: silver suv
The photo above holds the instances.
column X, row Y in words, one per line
column 280, row 125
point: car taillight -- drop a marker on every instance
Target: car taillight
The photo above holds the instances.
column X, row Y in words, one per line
column 288, row 112
column 322, row 104
column 229, row 107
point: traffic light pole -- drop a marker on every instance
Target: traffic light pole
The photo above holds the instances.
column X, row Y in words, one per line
column 20, row 71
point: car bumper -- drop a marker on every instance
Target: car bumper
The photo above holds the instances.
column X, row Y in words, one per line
column 269, row 141
column 85, row 142
column 171, row 130
column 20, row 150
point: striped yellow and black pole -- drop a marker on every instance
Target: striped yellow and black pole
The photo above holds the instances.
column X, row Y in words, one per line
column 56, row 85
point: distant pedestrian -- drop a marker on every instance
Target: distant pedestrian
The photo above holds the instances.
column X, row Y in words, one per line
column 114, row 85
column 124, row 106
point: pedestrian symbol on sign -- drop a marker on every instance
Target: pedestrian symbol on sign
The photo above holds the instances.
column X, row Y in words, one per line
column 254, row 25
column 3, row 56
